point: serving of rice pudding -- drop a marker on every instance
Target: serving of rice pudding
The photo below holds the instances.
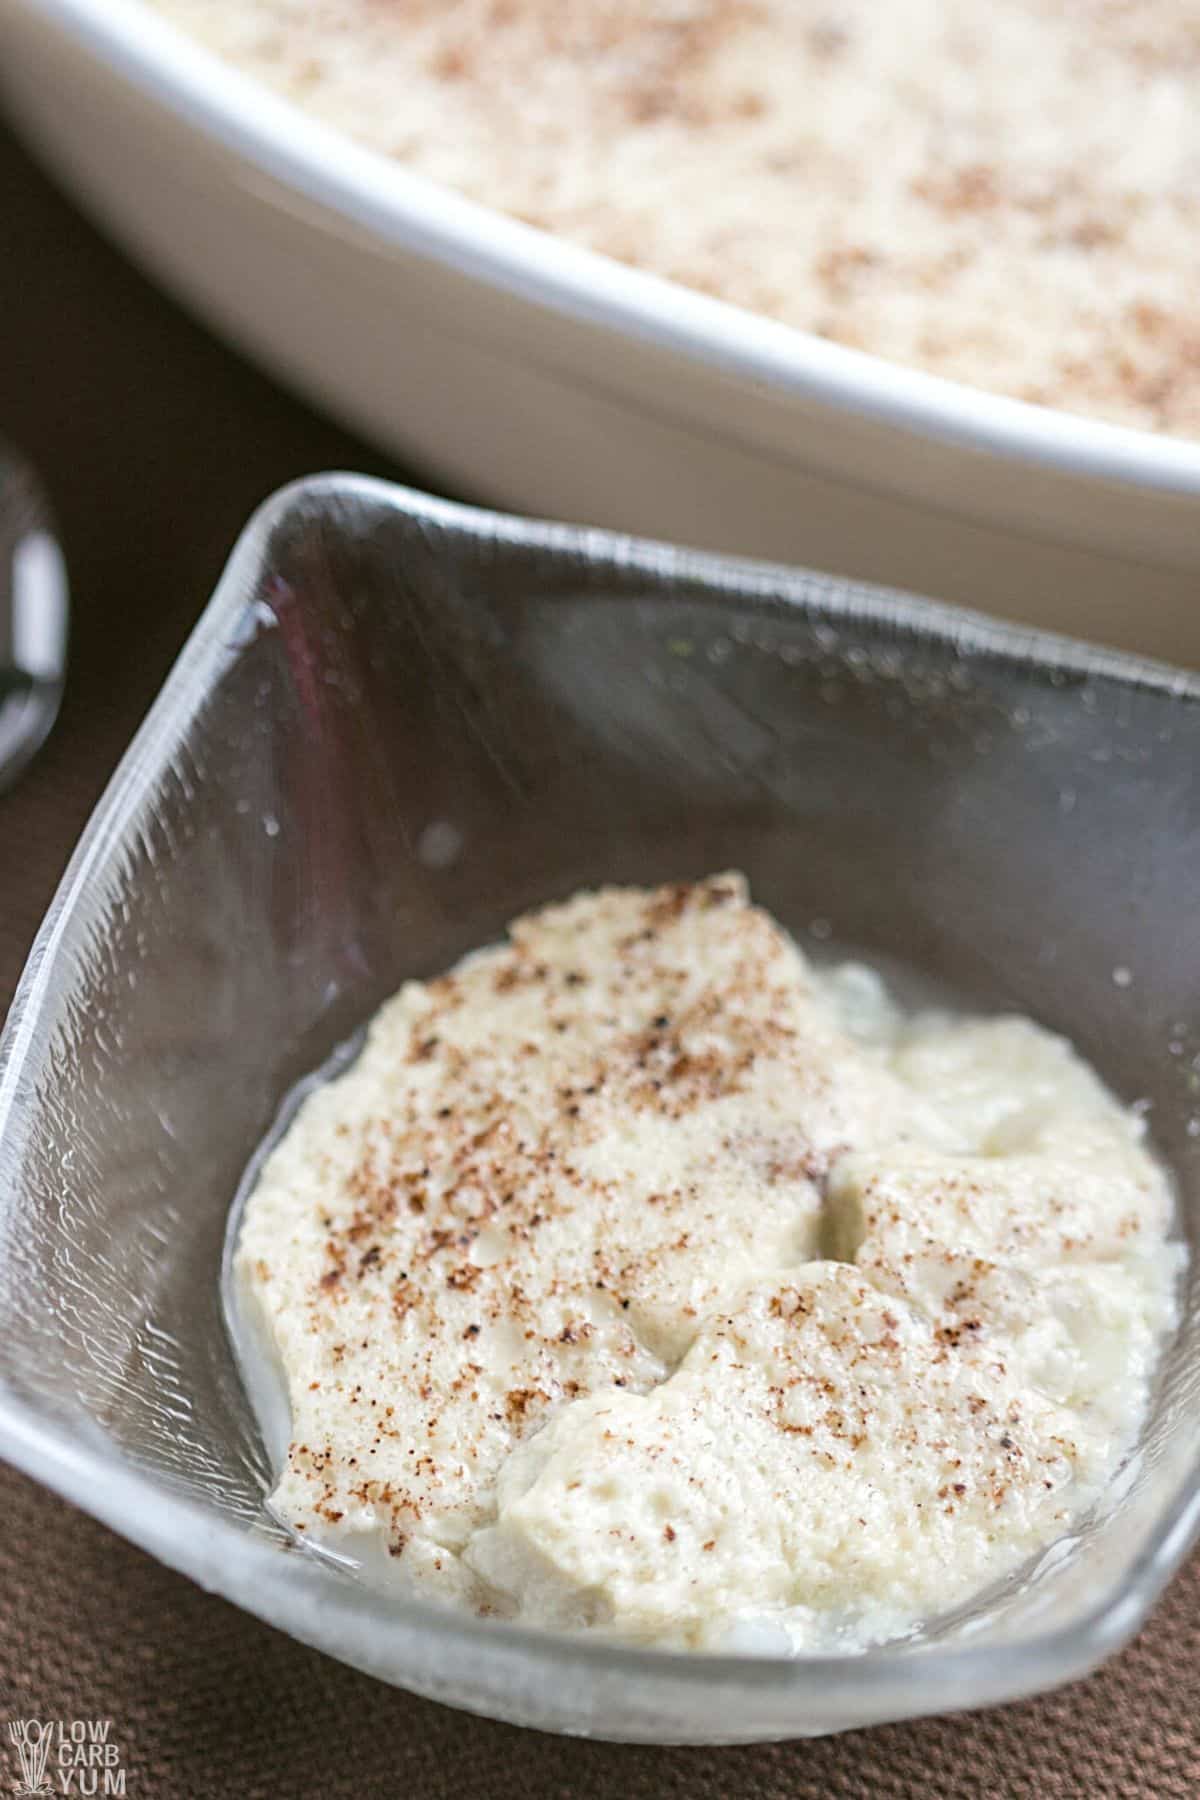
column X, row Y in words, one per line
column 638, row 1277
column 1006, row 195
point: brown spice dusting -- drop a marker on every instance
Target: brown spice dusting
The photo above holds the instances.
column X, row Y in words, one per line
column 497, row 1175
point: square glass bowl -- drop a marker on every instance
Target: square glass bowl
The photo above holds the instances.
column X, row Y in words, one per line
column 400, row 722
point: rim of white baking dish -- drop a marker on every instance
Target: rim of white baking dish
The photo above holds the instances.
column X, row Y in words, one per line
column 295, row 1593
column 284, row 142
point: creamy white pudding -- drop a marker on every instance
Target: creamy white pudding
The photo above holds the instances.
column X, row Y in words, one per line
column 638, row 1277
column 1007, row 195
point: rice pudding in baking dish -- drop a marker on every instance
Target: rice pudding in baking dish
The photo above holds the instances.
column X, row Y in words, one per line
column 638, row 1277
column 1005, row 195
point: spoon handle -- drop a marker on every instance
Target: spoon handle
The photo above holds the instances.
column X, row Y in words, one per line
column 34, row 611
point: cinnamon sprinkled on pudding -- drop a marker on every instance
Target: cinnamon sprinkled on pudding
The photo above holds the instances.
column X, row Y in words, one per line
column 638, row 1277
column 1009, row 196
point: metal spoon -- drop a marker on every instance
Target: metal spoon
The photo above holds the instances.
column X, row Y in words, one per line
column 34, row 612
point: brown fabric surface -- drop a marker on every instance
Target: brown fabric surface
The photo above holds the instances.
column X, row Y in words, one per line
column 157, row 443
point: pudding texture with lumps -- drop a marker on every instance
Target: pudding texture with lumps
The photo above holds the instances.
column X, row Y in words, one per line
column 1008, row 196
column 639, row 1277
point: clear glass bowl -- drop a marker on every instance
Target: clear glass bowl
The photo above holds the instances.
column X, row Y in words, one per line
column 398, row 723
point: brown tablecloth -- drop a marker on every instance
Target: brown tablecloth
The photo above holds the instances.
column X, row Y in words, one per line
column 157, row 443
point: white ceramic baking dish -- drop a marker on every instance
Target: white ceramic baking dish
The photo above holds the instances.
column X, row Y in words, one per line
column 523, row 370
